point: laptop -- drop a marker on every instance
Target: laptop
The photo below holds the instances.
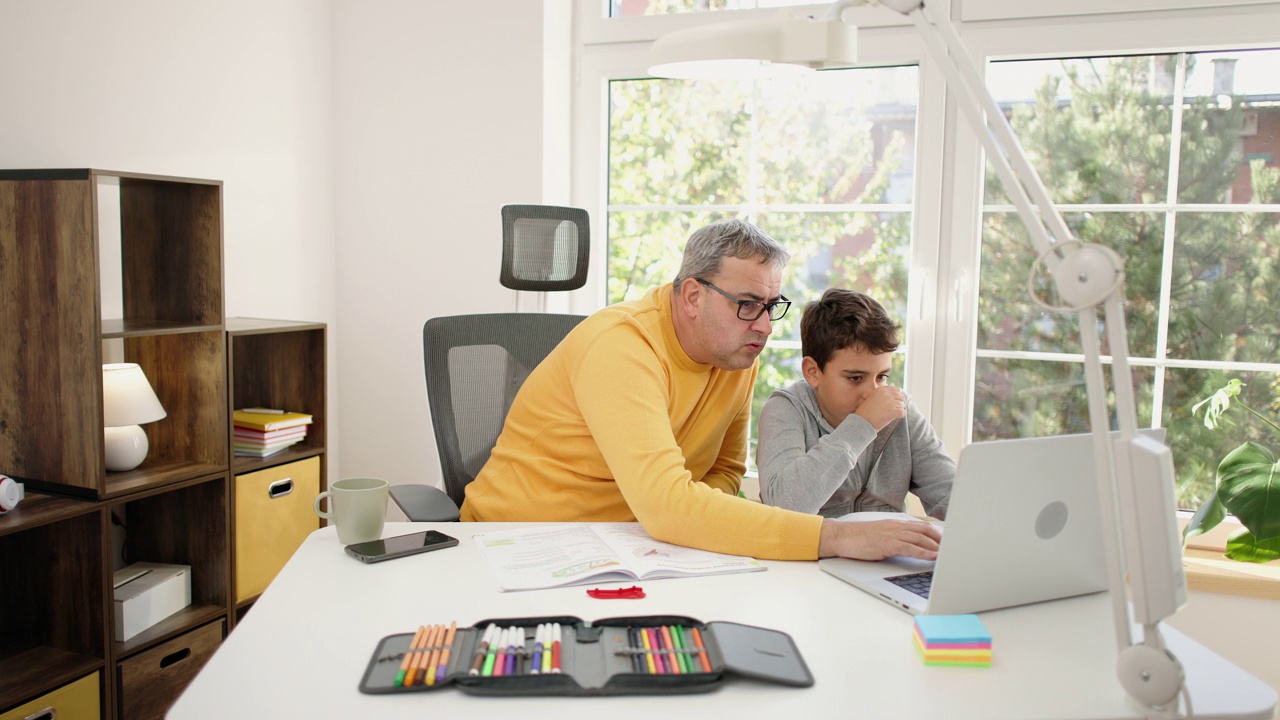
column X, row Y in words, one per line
column 1023, row 526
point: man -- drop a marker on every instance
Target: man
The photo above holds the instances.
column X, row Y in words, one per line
column 642, row 412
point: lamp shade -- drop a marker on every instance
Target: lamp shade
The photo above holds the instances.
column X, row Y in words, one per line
column 783, row 44
column 127, row 397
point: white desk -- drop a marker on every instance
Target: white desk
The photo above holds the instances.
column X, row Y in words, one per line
column 301, row 650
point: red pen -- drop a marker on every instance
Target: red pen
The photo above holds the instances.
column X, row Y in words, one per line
column 631, row 593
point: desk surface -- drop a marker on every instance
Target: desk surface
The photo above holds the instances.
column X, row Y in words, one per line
column 302, row 648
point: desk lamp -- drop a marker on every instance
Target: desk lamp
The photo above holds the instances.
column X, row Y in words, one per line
column 1134, row 473
column 127, row 402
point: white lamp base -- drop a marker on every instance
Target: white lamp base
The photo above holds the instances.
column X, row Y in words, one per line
column 126, row 447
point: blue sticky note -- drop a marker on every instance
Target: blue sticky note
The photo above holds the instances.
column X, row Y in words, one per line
column 952, row 629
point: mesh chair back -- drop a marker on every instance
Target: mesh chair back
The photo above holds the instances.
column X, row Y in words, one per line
column 474, row 365
column 544, row 247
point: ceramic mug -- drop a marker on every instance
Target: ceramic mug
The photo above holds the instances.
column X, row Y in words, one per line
column 358, row 506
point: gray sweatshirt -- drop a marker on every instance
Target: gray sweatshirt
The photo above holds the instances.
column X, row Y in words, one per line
column 807, row 466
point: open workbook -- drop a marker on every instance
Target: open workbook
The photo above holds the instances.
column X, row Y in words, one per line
column 544, row 557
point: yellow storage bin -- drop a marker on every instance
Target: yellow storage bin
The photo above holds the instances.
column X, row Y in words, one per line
column 79, row 699
column 273, row 516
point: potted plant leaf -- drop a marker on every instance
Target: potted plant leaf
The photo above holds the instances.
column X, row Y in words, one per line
column 1248, row 486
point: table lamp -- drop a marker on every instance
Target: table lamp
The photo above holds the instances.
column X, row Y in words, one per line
column 127, row 402
column 1134, row 473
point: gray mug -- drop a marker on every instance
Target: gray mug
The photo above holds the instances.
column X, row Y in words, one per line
column 358, row 506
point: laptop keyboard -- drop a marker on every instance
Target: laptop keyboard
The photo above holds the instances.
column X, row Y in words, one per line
column 918, row 583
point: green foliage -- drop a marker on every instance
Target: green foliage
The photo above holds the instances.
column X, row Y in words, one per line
column 1248, row 485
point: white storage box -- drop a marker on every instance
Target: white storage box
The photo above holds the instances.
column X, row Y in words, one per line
column 146, row 593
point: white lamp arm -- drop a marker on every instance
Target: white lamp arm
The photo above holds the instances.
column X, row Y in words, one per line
column 1135, row 474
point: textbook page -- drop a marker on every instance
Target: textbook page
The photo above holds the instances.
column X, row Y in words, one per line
column 546, row 557
column 656, row 559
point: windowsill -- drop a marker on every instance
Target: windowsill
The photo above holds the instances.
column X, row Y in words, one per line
column 1210, row 571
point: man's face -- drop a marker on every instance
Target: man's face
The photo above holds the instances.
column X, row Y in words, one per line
column 724, row 340
column 851, row 375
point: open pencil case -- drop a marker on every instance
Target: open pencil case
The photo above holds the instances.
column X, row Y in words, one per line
column 649, row 654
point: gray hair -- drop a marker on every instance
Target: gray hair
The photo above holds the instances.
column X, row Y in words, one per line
column 709, row 245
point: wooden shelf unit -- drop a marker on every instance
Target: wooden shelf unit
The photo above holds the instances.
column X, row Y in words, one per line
column 80, row 522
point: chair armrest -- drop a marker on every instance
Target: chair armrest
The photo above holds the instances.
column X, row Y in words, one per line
column 424, row 503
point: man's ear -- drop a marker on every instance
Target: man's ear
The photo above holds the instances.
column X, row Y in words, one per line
column 812, row 373
column 690, row 292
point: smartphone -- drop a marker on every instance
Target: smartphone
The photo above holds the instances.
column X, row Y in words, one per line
column 399, row 546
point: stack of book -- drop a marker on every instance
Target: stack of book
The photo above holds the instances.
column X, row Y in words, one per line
column 260, row 432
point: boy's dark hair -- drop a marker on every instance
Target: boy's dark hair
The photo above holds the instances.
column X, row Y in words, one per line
column 843, row 319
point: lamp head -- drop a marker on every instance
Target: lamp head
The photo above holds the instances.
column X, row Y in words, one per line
column 785, row 44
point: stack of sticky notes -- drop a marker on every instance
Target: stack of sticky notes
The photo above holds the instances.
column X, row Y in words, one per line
column 960, row 640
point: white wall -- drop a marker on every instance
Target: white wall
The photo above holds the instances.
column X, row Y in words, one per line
column 234, row 90
column 438, row 119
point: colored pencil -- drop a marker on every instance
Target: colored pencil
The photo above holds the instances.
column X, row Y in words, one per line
column 637, row 657
column 673, row 657
column 433, row 659
column 477, row 662
column 555, row 648
column 677, row 643
column 702, row 651
column 408, row 655
column 420, row 658
column 443, row 668
column 648, row 651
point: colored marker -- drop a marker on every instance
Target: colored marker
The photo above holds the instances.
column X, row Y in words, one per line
column 477, row 662
column 555, row 648
column 490, row 661
column 535, row 667
column 548, row 646
column 702, row 651
column 443, row 668
column 408, row 655
column 517, row 635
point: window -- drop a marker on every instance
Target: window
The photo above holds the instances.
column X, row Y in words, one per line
column 1150, row 152
column 824, row 164
column 1151, row 156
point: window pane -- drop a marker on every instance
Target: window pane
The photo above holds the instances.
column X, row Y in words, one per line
column 1231, row 128
column 1032, row 398
column 1226, row 287
column 1197, row 450
column 1009, row 320
column 675, row 142
column 837, row 137
column 1096, row 129
column 645, row 248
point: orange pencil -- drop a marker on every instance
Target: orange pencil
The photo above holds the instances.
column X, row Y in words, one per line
column 702, row 651
column 673, row 659
column 420, row 664
column 434, row 661
column 408, row 655
column 443, row 668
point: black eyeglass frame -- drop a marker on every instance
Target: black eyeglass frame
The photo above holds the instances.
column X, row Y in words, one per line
column 763, row 307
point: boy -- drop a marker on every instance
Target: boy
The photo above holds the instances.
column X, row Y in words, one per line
column 842, row 440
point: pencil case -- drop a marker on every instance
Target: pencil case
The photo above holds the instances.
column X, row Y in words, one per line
column 639, row 655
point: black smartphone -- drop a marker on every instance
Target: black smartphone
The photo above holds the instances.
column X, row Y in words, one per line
column 399, row 546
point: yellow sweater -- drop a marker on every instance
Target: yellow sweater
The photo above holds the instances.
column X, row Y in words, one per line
column 620, row 424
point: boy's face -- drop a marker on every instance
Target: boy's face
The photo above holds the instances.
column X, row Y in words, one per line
column 849, row 377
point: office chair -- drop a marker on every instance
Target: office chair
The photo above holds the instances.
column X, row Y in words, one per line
column 475, row 364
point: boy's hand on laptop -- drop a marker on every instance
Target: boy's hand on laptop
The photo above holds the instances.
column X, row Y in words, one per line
column 878, row 539
column 884, row 405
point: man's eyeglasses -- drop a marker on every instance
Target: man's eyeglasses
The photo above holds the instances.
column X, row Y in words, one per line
column 750, row 310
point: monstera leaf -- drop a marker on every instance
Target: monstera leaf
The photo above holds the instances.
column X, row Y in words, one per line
column 1249, row 487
